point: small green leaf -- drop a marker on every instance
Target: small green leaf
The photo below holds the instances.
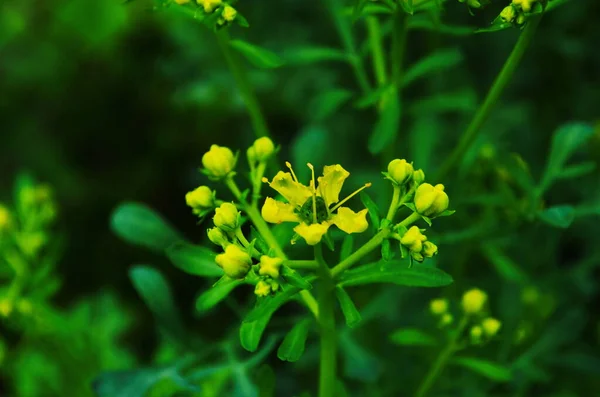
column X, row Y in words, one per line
column 309, row 55
column 415, row 276
column 347, row 247
column 327, row 103
column 138, row 224
column 241, row 20
column 372, row 208
column 433, row 63
column 412, row 337
column 251, row 332
column 496, row 26
column 575, row 171
column 387, row 125
column 211, row 297
column 407, row 6
column 270, row 304
column 292, row 347
column 372, row 97
column 259, row 57
column 505, row 266
column 295, row 278
column 494, row 371
column 194, row 259
column 351, row 313
column 261, row 244
column 560, row 216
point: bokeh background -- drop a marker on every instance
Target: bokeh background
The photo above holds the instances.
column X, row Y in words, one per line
column 109, row 101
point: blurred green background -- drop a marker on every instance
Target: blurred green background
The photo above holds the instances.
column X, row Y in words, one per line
column 110, row 102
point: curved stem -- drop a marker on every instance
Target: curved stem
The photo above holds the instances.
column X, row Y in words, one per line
column 259, row 123
column 327, row 376
column 503, row 78
column 394, row 205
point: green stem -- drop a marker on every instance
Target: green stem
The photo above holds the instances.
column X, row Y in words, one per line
column 374, row 32
column 412, row 218
column 394, row 205
column 369, row 246
column 503, row 78
column 327, row 376
column 302, row 264
column 259, row 124
column 441, row 360
column 240, row 236
column 264, row 230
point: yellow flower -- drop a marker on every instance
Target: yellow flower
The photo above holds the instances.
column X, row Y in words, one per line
column 438, row 306
column 476, row 333
column 262, row 288
column 447, row 319
column 400, row 171
column 491, row 326
column 235, row 262
column 263, row 148
column 5, row 219
column 313, row 208
column 270, row 266
column 508, row 14
column 473, row 300
column 227, row 217
column 524, row 4
column 229, row 14
column 218, row 237
column 431, row 200
column 200, row 198
column 429, row 249
column 413, row 239
column 209, row 5
column 219, row 161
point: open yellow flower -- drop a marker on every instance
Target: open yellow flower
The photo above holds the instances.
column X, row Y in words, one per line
column 314, row 207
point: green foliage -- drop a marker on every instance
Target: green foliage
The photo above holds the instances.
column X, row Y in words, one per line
column 415, row 276
column 193, row 259
column 292, row 347
column 259, row 57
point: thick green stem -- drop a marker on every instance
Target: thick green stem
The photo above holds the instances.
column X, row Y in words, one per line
column 259, row 124
column 503, row 78
column 327, row 376
column 376, row 44
column 439, row 364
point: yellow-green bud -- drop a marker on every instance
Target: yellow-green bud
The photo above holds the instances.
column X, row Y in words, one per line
column 218, row 237
column 438, row 306
column 419, row 177
column 229, row 14
column 200, row 198
column 219, row 161
column 262, row 288
column 429, row 249
column 508, row 14
column 525, row 5
column 263, row 148
column 447, row 319
column 6, row 307
column 521, row 19
column 417, row 256
column 473, row 301
column 235, row 262
column 491, row 326
column 5, row 218
column 413, row 239
column 400, row 171
column 227, row 217
column 476, row 333
column 181, row 2
column 209, row 5
column 270, row 266
column 431, row 200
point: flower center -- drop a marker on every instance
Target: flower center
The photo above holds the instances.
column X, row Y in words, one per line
column 306, row 211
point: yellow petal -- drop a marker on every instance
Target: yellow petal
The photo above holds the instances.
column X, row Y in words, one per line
column 330, row 184
column 312, row 233
column 274, row 211
column 294, row 192
column 350, row 221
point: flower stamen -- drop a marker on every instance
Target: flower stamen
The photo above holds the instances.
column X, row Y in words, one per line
column 350, row 196
column 294, row 177
column 314, row 192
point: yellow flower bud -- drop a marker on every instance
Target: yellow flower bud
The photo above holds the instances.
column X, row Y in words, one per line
column 262, row 288
column 270, row 266
column 431, row 200
column 473, row 301
column 525, row 5
column 419, row 177
column 5, row 218
column 521, row 19
column 263, row 148
column 447, row 319
column 413, row 239
column 209, row 5
column 235, row 262
column 200, row 198
column 227, row 217
column 181, row 2
column 229, row 14
column 429, row 249
column 6, row 307
column 219, row 161
column 491, row 326
column 438, row 306
column 400, row 171
column 476, row 333
column 218, row 237
column 508, row 14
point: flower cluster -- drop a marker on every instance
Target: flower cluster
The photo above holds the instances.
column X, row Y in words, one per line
column 215, row 11
column 475, row 3
column 518, row 11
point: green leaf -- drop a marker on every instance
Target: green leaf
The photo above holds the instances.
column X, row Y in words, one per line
column 415, row 276
column 295, row 278
column 372, row 207
column 496, row 26
column 328, row 102
column 156, row 293
column 268, row 305
column 407, row 6
column 505, row 266
column 261, row 244
column 387, row 125
column 372, row 97
column 464, row 101
column 560, row 216
column 575, row 171
column 292, row 347
column 211, row 297
column 351, row 313
column 424, row 22
column 494, row 371
column 431, row 64
column 194, row 259
column 259, row 57
column 251, row 332
column 138, row 224
column 347, row 247
column 130, row 383
column 412, row 337
column 309, row 55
